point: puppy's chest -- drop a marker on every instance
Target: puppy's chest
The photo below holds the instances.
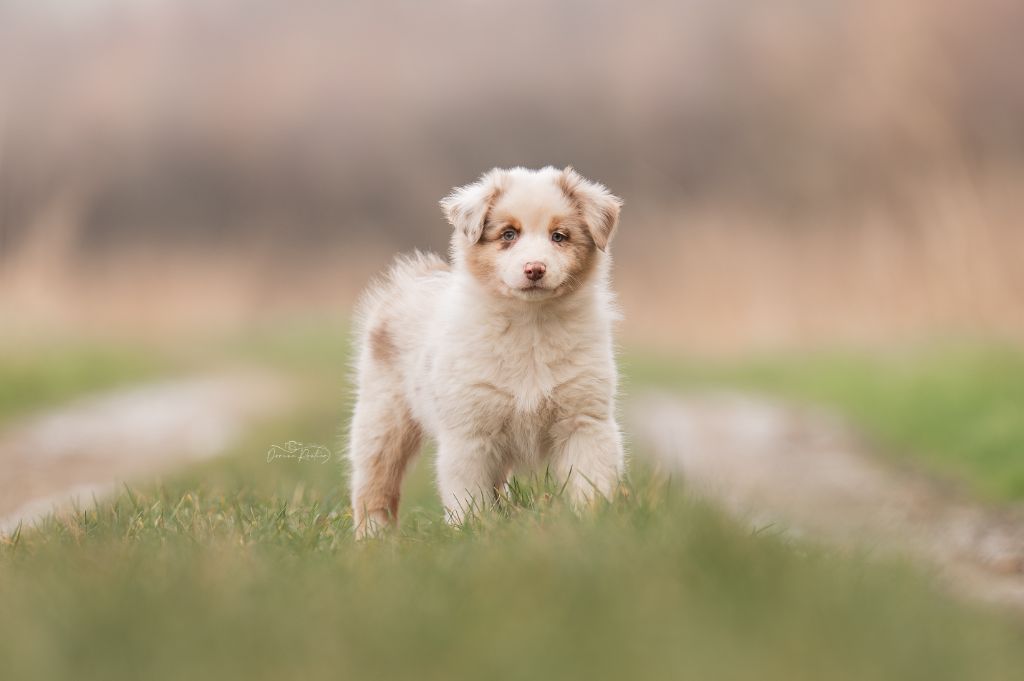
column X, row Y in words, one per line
column 516, row 375
column 530, row 370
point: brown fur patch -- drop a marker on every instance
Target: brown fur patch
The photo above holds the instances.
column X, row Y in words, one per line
column 580, row 248
column 382, row 345
column 480, row 258
column 379, row 496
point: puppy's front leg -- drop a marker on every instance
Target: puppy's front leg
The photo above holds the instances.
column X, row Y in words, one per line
column 587, row 457
column 470, row 468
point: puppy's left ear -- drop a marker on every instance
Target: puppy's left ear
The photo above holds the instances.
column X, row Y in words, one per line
column 466, row 207
column 598, row 206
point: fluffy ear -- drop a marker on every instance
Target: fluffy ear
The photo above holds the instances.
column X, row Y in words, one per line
column 598, row 206
column 466, row 207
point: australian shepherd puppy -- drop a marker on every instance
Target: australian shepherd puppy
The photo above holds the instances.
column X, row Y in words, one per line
column 503, row 356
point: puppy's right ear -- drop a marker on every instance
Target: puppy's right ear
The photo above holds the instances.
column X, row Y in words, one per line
column 467, row 207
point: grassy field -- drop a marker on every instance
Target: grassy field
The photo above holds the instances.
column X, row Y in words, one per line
column 243, row 569
column 240, row 568
column 958, row 412
column 32, row 378
column 40, row 375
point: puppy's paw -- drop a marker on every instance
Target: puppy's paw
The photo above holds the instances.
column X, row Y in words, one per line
column 586, row 495
column 374, row 523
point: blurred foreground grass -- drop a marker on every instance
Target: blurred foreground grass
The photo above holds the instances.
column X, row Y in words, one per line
column 240, row 568
column 244, row 569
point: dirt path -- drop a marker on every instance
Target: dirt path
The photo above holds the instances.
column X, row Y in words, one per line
column 767, row 462
column 90, row 446
column 806, row 471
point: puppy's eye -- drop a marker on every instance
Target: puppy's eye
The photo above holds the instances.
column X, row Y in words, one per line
column 509, row 235
column 558, row 237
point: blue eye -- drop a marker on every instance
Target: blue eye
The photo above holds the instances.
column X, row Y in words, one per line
column 508, row 235
column 558, row 237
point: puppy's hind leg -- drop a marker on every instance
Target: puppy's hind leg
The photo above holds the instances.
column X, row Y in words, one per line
column 384, row 439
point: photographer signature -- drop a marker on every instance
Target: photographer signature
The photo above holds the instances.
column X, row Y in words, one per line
column 299, row 452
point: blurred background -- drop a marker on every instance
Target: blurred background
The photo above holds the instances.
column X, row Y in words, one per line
column 820, row 265
column 796, row 173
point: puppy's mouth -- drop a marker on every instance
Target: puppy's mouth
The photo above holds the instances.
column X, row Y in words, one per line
column 531, row 291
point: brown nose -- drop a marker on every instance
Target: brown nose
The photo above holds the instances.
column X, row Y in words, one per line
column 534, row 270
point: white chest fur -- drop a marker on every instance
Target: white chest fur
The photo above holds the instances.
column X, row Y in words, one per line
column 521, row 353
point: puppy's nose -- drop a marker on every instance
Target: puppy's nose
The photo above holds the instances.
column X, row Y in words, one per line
column 534, row 270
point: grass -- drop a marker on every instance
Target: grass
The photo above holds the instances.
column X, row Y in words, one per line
column 243, row 569
column 958, row 412
column 240, row 568
column 41, row 376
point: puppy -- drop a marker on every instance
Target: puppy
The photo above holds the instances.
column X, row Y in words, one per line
column 503, row 357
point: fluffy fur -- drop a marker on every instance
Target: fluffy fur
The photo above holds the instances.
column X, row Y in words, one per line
column 504, row 357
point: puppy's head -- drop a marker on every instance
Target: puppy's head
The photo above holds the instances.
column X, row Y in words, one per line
column 531, row 234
